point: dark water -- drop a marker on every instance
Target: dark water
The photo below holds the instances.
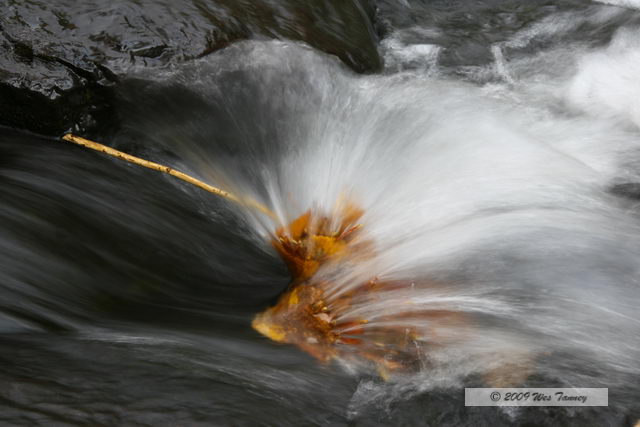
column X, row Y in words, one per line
column 126, row 297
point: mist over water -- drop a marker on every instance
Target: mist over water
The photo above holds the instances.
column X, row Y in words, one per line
column 505, row 190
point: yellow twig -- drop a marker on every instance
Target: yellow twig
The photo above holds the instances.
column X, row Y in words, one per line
column 166, row 169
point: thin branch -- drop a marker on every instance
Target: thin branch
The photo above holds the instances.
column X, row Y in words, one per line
column 166, row 169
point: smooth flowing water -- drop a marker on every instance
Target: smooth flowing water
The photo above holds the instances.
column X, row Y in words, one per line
column 497, row 156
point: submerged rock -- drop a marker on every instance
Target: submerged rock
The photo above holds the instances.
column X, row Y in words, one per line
column 59, row 60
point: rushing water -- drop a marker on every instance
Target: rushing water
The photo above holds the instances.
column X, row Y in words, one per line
column 497, row 155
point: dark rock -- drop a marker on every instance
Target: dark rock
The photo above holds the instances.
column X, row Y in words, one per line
column 45, row 94
column 59, row 60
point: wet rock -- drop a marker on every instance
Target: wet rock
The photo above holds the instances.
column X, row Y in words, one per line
column 59, row 60
column 44, row 93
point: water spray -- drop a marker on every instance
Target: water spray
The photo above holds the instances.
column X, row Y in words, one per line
column 320, row 317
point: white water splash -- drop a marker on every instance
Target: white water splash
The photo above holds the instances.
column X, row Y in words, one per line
column 607, row 84
column 635, row 4
column 399, row 56
column 499, row 196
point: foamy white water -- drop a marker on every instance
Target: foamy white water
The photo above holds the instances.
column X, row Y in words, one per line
column 498, row 192
column 624, row 3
